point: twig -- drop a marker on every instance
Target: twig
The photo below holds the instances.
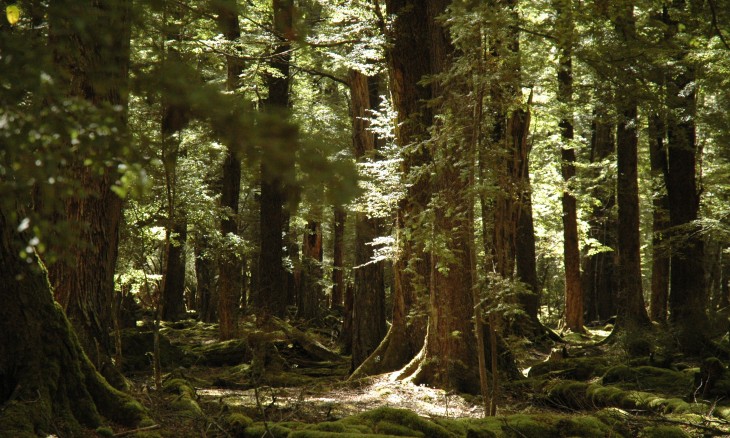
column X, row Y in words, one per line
column 141, row 429
column 714, row 24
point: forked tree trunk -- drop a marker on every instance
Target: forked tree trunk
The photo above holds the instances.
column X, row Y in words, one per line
column 571, row 250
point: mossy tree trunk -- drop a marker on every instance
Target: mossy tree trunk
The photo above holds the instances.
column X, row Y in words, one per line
column 90, row 44
column 47, row 383
column 368, row 322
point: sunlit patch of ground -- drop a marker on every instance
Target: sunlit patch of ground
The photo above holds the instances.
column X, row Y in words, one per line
column 348, row 399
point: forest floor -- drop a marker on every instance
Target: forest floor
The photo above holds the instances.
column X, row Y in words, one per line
column 284, row 382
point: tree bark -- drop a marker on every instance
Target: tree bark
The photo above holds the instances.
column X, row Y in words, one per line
column 310, row 292
column 43, row 362
column 230, row 279
column 205, row 273
column 449, row 356
column 92, row 63
column 599, row 277
column 573, row 291
column 277, row 167
column 368, row 319
column 173, row 291
column 407, row 60
column 661, row 253
column 688, row 296
column 632, row 313
column 338, row 262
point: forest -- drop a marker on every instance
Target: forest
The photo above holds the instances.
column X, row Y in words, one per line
column 364, row 218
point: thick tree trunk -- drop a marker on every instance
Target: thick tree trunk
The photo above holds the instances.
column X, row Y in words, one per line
column 47, row 383
column 449, row 356
column 277, row 165
column 92, row 62
column 571, row 250
column 632, row 313
column 687, row 299
column 599, row 277
column 407, row 59
column 310, row 293
column 368, row 319
column 338, row 262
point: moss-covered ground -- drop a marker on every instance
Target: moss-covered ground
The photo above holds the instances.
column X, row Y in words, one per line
column 280, row 381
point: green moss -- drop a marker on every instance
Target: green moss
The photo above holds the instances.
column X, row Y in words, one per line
column 647, row 378
column 528, row 425
column 104, row 431
column 616, row 419
column 390, row 428
column 663, row 432
column 568, row 394
column 573, row 368
column 258, row 430
column 236, row 423
column 406, row 418
column 585, row 426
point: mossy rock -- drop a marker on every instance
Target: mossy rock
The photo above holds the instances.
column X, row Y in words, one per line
column 137, row 347
column 572, row 368
column 585, row 426
column 647, row 378
column 663, row 432
column 568, row 394
column 390, row 428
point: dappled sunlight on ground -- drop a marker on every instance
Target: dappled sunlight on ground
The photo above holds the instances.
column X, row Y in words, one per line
column 350, row 398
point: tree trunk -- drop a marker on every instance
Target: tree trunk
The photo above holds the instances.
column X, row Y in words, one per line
column 449, row 356
column 661, row 253
column 205, row 274
column 407, row 60
column 230, row 279
column 368, row 319
column 173, row 292
column 310, row 292
column 277, row 167
column 632, row 313
column 44, row 361
column 338, row 263
column 573, row 291
column 92, row 62
column 599, row 277
column 687, row 297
